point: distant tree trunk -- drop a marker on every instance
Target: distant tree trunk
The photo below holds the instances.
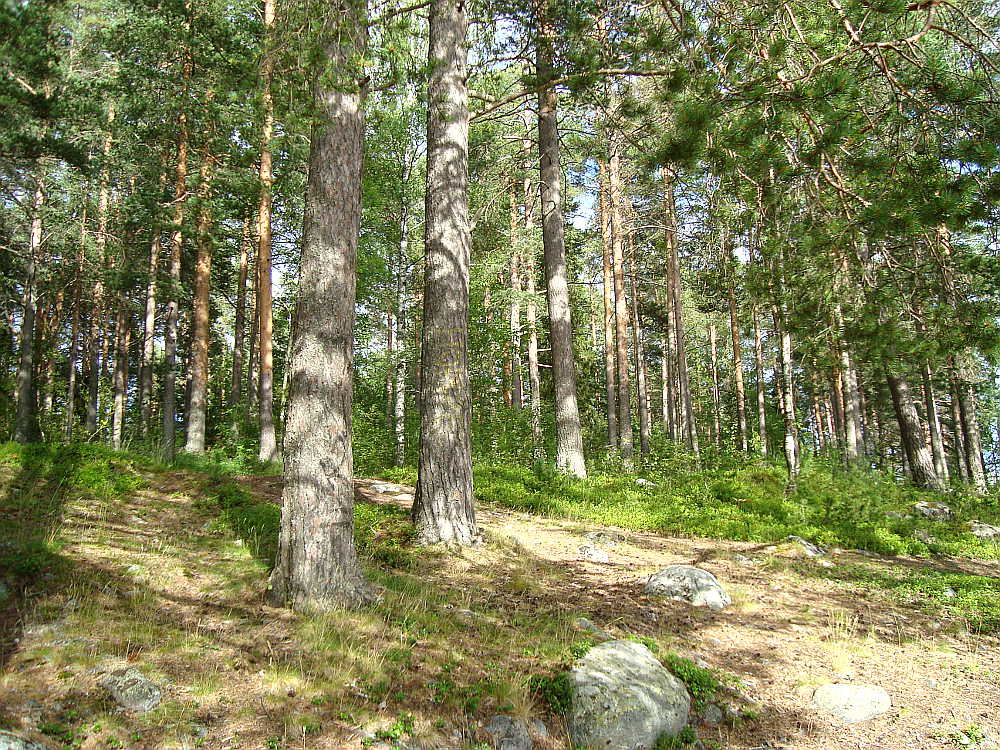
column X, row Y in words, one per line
column 173, row 302
column 788, row 401
column 837, row 399
column 641, row 372
column 252, row 369
column 399, row 364
column 268, row 445
column 741, row 393
column 201, row 331
column 918, row 457
column 970, row 431
column 148, row 337
column 97, row 318
column 934, row 424
column 74, row 336
column 443, row 509
column 569, row 440
column 26, row 419
column 668, row 367
column 713, row 351
column 530, row 306
column 516, row 384
column 615, row 202
column 240, row 325
column 123, row 337
column 317, row 565
column 390, row 366
column 853, row 436
column 958, row 442
column 608, row 294
column 687, row 421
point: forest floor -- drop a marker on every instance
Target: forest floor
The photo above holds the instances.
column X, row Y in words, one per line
column 167, row 573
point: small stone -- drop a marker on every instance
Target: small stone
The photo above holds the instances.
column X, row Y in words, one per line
column 686, row 583
column 584, row 625
column 132, row 690
column 924, row 536
column 712, row 715
column 984, row 530
column 744, row 560
column 825, row 564
column 607, row 538
column 852, row 703
column 405, row 497
column 11, row 741
column 640, row 482
column 509, row 733
column 811, row 550
column 593, row 554
column 950, row 593
column 933, row 511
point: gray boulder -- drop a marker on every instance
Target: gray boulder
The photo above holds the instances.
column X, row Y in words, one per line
column 686, row 583
column 512, row 733
column 132, row 690
column 623, row 699
column 811, row 550
column 984, row 530
column 852, row 703
column 607, row 538
column 593, row 554
column 11, row 741
column 933, row 511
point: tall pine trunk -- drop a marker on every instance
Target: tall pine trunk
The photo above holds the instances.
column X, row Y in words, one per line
column 443, row 509
column 201, row 330
column 26, row 418
column 516, row 383
column 173, row 302
column 615, row 209
column 149, row 336
column 934, row 424
column 689, row 427
column 240, row 323
column 713, row 360
column 530, row 305
column 741, row 393
column 123, row 337
column 74, row 335
column 317, row 565
column 641, row 372
column 569, row 439
column 787, row 398
column 970, row 431
column 758, row 363
column 608, row 296
column 265, row 315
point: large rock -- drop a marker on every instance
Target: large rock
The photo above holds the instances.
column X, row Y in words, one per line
column 933, row 511
column 852, row 703
column 686, row 583
column 132, row 690
column 512, row 733
column 11, row 741
column 984, row 530
column 623, row 699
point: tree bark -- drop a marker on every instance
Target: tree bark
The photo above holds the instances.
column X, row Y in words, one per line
column 123, row 337
column 173, row 302
column 918, row 457
column 443, row 509
column 689, row 426
column 741, row 393
column 149, row 335
column 516, row 384
column 615, row 209
column 608, row 294
column 957, row 440
column 26, row 418
column 268, row 446
column 971, row 439
column 201, row 331
column 791, row 442
column 569, row 440
column 530, row 306
column 399, row 364
column 641, row 372
column 713, row 350
column 317, row 566
column 758, row 361
column 74, row 335
column 240, row 324
column 934, row 424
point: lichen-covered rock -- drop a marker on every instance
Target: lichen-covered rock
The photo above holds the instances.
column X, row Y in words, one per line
column 686, row 583
column 623, row 699
column 11, row 741
column 583, row 625
column 592, row 553
column 512, row 733
column 811, row 550
column 984, row 530
column 933, row 511
column 852, row 703
column 132, row 690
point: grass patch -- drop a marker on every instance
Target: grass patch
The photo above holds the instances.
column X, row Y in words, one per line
column 745, row 501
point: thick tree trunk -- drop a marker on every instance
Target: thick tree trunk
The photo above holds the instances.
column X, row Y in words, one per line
column 240, row 323
column 641, row 372
column 713, row 352
column 853, row 435
column 569, row 440
column 608, row 295
column 741, row 393
column 443, row 509
column 173, row 302
column 268, row 446
column 919, row 459
column 758, row 362
column 26, row 418
column 934, row 424
column 689, row 426
column 123, row 337
column 615, row 208
column 317, row 565
column 201, row 331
